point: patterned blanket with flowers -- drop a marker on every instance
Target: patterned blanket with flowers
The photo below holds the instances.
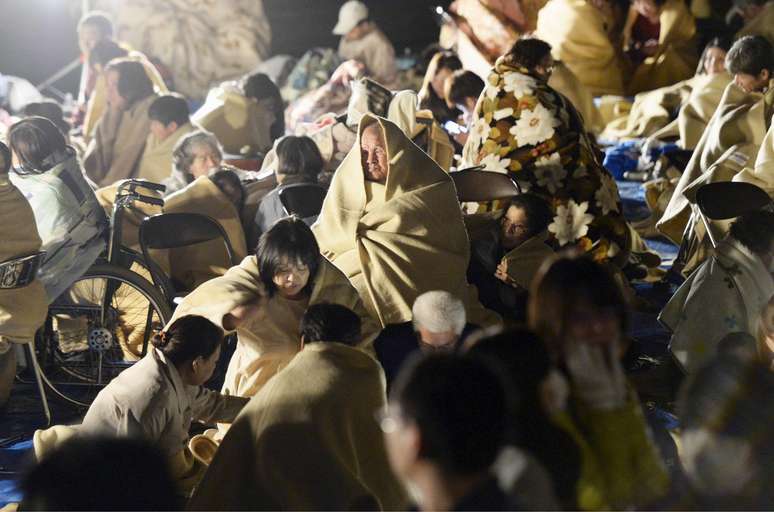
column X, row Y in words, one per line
column 525, row 128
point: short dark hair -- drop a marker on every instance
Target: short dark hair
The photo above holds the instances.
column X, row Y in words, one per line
column 536, row 209
column 5, row 158
column 529, row 52
column 460, row 406
column 259, row 86
column 755, row 230
column 77, row 475
column 99, row 19
column 51, row 110
column 189, row 337
column 133, row 82
column 750, row 55
column 330, row 323
column 227, row 178
column 461, row 85
column 169, row 108
column 288, row 239
column 104, row 51
column 300, row 157
column 36, row 140
column 564, row 282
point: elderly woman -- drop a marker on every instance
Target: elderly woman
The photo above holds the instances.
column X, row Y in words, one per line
column 264, row 298
column 526, row 129
column 69, row 219
column 579, row 310
column 195, row 155
column 116, row 149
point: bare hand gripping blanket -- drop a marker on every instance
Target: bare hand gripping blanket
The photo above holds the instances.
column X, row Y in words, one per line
column 412, row 242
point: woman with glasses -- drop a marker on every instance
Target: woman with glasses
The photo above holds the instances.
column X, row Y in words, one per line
column 524, row 128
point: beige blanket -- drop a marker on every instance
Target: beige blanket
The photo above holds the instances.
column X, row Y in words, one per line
column 762, row 175
column 156, row 161
column 307, row 441
column 114, row 152
column 195, row 264
column 22, row 310
column 411, row 242
column 271, row 337
column 739, row 119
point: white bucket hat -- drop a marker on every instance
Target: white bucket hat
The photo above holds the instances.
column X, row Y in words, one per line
column 350, row 14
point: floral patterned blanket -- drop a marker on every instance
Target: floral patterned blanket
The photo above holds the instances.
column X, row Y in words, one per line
column 525, row 128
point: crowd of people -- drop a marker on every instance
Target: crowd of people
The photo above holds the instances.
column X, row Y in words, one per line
column 392, row 344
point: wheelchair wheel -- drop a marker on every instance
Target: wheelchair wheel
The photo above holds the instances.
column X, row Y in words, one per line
column 98, row 328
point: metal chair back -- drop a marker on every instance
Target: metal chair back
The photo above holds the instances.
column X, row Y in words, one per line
column 480, row 186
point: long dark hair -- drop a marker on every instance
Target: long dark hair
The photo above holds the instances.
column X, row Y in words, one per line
column 259, row 86
column 300, row 158
column 38, row 144
column 189, row 337
column 287, row 240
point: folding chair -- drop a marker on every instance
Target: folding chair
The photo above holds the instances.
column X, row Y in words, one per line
column 302, row 199
column 477, row 186
column 174, row 230
column 726, row 200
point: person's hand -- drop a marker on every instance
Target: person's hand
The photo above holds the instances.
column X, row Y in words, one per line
column 346, row 72
column 596, row 374
column 502, row 274
column 241, row 314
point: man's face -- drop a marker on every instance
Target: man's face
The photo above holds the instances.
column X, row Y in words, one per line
column 114, row 97
column 160, row 131
column 88, row 37
column 205, row 159
column 753, row 83
column 373, row 154
column 514, row 228
column 431, row 342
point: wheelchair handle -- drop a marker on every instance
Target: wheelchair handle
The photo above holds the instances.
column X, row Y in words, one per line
column 134, row 183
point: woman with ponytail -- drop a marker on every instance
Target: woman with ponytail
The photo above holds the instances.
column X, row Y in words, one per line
column 158, row 397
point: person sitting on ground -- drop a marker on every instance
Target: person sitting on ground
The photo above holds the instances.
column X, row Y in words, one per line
column 194, row 155
column 727, row 443
column 23, row 302
column 119, row 140
column 298, row 162
column 578, row 309
column 70, row 221
column 659, row 38
column 438, row 324
column 392, row 224
column 246, row 116
column 158, row 397
column 100, row 473
column 542, row 391
column 526, row 129
column 506, row 257
column 169, row 122
column 100, row 56
column 432, row 95
column 726, row 293
column 731, row 139
column 364, row 42
column 308, row 440
column 582, row 35
column 446, row 421
column 264, row 298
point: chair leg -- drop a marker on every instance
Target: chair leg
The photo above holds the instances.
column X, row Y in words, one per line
column 39, row 379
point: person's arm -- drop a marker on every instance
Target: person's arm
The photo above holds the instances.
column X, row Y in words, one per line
column 210, row 406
